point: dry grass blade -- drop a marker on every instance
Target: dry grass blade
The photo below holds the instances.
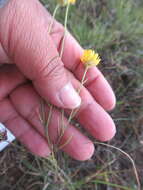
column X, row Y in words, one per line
column 67, row 142
column 53, row 17
column 127, row 155
column 89, row 178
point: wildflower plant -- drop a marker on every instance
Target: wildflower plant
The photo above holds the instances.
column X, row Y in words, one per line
column 42, row 115
column 88, row 59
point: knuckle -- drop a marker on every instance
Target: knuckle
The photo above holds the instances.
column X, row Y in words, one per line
column 51, row 70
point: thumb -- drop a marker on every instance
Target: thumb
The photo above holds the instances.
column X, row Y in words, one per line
column 24, row 36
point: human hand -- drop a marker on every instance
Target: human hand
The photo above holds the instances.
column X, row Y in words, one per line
column 32, row 55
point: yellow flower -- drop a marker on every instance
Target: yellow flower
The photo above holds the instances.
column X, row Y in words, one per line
column 90, row 58
column 66, row 2
column 72, row 1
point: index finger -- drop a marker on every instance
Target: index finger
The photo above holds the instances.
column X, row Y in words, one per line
column 96, row 82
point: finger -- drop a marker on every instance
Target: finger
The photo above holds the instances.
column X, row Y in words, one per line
column 78, row 146
column 96, row 83
column 24, row 36
column 87, row 101
column 22, row 130
column 3, row 57
column 10, row 78
column 92, row 116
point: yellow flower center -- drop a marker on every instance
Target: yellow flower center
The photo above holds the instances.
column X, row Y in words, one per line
column 90, row 58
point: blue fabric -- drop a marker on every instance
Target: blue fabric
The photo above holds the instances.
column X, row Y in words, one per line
column 3, row 2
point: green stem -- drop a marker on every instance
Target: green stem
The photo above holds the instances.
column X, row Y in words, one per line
column 47, row 126
column 65, row 30
column 53, row 17
column 73, row 112
column 82, row 80
column 61, row 54
column 129, row 157
column 43, row 118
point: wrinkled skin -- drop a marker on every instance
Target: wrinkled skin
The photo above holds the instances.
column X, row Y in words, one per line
column 29, row 72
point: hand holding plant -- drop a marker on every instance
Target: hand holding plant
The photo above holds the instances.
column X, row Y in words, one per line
column 35, row 70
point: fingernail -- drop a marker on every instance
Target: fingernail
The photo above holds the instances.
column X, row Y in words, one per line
column 69, row 97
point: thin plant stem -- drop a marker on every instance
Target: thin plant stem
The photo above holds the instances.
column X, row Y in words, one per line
column 53, row 17
column 47, row 125
column 72, row 114
column 89, row 178
column 74, row 111
column 67, row 142
column 53, row 161
column 62, row 130
column 61, row 54
column 130, row 158
column 45, row 122
column 83, row 80
column 43, row 115
column 65, row 30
